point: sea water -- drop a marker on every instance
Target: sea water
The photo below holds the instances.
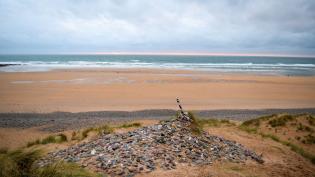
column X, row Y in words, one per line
column 218, row 64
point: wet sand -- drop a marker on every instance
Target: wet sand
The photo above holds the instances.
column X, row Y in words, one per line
column 136, row 89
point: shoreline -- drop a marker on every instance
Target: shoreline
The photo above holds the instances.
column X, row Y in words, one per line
column 63, row 121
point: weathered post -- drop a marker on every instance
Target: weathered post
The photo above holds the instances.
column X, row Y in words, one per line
column 182, row 116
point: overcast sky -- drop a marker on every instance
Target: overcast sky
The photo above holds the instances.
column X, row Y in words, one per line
column 78, row 26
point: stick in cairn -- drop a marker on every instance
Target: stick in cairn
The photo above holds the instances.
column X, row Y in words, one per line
column 182, row 114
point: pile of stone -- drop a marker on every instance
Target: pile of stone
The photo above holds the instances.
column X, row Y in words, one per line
column 159, row 146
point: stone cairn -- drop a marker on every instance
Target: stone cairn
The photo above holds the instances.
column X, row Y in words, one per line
column 145, row 149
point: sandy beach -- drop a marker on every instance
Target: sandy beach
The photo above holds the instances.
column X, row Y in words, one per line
column 134, row 89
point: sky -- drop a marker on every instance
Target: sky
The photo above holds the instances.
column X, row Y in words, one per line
column 100, row 26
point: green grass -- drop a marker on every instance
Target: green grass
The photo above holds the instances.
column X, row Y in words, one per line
column 236, row 168
column 32, row 143
column 248, row 129
column 292, row 146
column 18, row 163
column 280, row 121
column 304, row 128
column 311, row 120
column 215, row 122
column 271, row 136
column 63, row 169
column 256, row 122
column 300, row 151
column 309, row 139
column 86, row 132
column 128, row 125
column 105, row 129
column 252, row 126
column 195, row 126
column 198, row 124
column 21, row 163
column 60, row 138
column 3, row 150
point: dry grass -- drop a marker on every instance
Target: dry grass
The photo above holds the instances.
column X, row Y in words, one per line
column 276, row 127
column 60, row 138
column 21, row 163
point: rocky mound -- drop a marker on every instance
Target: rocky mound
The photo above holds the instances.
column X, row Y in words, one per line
column 159, row 146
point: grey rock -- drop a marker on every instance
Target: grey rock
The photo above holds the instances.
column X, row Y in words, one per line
column 143, row 150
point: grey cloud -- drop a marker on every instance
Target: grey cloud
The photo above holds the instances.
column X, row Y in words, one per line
column 282, row 26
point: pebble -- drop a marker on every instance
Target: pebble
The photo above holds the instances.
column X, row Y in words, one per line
column 143, row 150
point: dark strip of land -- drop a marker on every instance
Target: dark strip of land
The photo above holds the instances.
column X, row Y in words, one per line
column 60, row 121
column 4, row 65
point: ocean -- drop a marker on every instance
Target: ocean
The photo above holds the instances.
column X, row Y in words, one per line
column 296, row 66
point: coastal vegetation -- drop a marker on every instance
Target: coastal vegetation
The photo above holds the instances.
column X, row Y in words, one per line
column 281, row 127
column 81, row 134
column 293, row 131
column 22, row 163
column 198, row 124
column 129, row 125
column 60, row 138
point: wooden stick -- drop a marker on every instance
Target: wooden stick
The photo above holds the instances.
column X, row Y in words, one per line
column 183, row 116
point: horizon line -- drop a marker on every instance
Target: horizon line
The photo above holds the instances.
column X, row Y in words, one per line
column 173, row 54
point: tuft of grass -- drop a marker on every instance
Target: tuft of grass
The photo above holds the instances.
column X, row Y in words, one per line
column 311, row 120
column 252, row 130
column 195, row 126
column 86, row 132
column 21, row 163
column 3, row 150
column 304, row 128
column 214, row 122
column 18, row 163
column 309, row 139
column 48, row 139
column 280, row 121
column 251, row 126
column 271, row 136
column 105, row 129
column 60, row 138
column 74, row 136
column 256, row 122
column 300, row 151
column 236, row 168
column 62, row 169
column 292, row 146
column 128, row 125
column 32, row 143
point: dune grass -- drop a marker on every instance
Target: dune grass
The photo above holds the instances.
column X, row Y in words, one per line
column 62, row 169
column 304, row 128
column 197, row 124
column 60, row 138
column 128, row 125
column 252, row 130
column 215, row 122
column 17, row 163
column 280, row 121
column 105, row 129
column 299, row 150
column 311, row 120
column 22, row 163
column 251, row 126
